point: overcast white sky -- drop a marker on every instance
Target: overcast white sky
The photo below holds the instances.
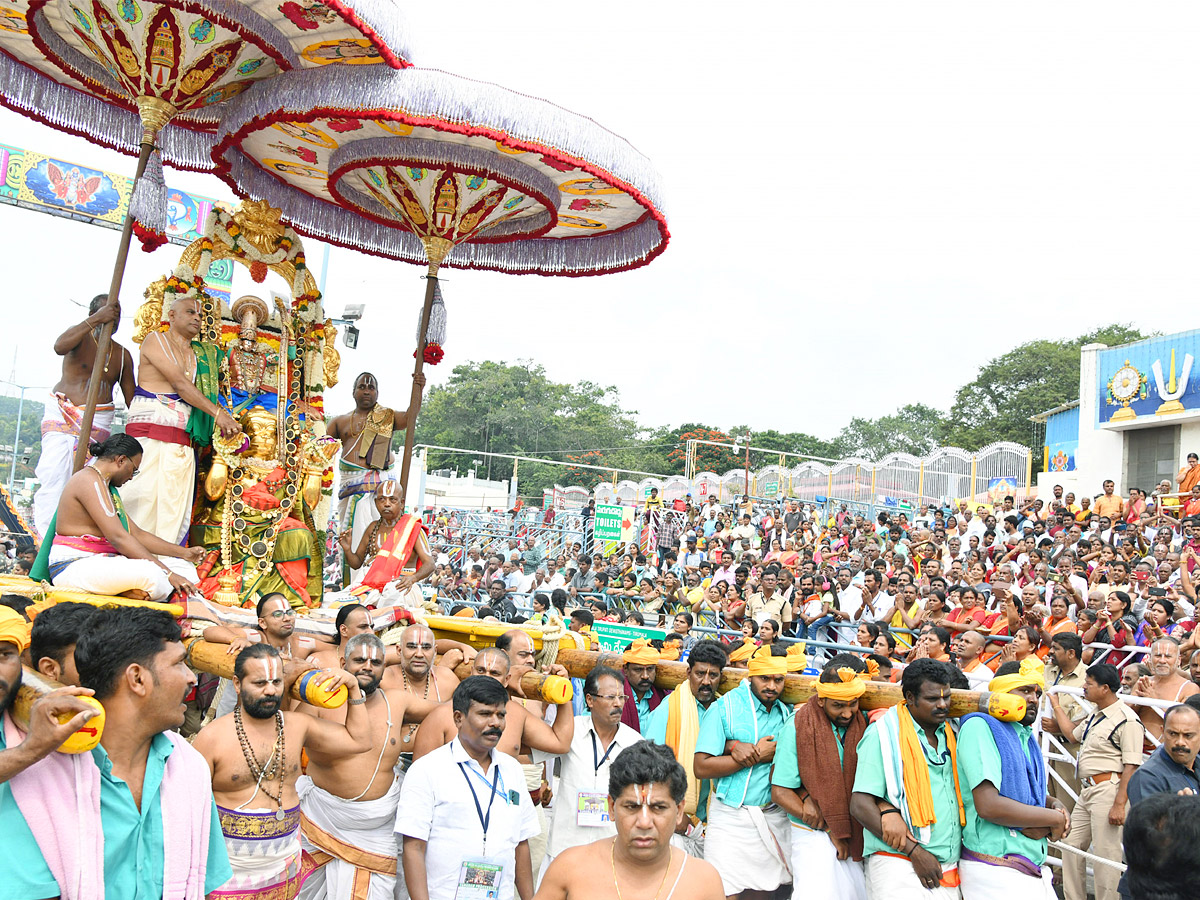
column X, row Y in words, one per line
column 867, row 201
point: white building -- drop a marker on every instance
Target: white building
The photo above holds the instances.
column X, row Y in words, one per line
column 1137, row 418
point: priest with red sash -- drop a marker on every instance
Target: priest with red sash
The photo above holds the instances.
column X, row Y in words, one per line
column 395, row 550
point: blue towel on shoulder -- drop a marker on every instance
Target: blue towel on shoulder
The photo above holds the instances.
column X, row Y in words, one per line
column 1022, row 772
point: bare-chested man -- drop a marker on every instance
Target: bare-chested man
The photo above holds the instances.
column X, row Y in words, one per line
column 96, row 548
column 254, row 757
column 64, row 410
column 1165, row 682
column 522, row 729
column 646, row 791
column 160, row 500
column 366, row 436
column 277, row 627
column 391, row 556
column 419, row 676
column 348, row 801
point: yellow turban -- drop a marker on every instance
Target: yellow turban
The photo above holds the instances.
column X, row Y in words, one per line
column 749, row 645
column 669, row 651
column 764, row 663
column 641, row 653
column 851, row 687
column 1031, row 673
column 13, row 628
column 797, row 661
column 871, row 672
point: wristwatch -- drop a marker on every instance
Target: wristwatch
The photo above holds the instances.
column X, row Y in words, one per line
column 358, row 702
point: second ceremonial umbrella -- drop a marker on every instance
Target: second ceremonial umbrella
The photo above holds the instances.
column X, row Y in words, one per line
column 431, row 168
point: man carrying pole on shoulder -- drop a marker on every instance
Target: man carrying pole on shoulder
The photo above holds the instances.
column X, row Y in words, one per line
column 1009, row 813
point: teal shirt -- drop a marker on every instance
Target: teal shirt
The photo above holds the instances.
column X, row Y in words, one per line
column 133, row 838
column 741, row 716
column 655, row 729
column 643, row 706
column 979, row 761
column 945, row 835
column 786, row 773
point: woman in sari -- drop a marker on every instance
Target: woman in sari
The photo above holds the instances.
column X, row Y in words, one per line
column 1057, row 622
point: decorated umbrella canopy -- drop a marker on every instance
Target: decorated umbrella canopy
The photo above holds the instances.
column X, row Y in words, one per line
column 427, row 167
column 117, row 71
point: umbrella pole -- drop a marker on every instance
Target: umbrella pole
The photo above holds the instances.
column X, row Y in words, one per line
column 436, row 250
column 155, row 114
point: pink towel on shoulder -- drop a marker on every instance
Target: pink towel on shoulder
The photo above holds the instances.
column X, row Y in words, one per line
column 59, row 796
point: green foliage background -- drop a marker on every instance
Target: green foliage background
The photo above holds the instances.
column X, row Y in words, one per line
column 515, row 408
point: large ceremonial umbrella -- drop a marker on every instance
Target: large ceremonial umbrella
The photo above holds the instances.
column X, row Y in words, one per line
column 428, row 167
column 117, row 71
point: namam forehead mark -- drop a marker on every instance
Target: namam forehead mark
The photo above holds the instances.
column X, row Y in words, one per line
column 414, row 636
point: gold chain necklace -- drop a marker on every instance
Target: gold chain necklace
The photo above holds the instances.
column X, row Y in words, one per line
column 613, row 859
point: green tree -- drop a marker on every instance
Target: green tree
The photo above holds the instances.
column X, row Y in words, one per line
column 501, row 408
column 914, row 428
column 1029, row 379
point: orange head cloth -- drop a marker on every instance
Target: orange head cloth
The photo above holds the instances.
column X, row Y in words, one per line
column 797, row 661
column 763, row 662
column 1031, row 674
column 641, row 653
column 14, row 628
column 851, row 687
column 466, row 612
column 871, row 672
column 749, row 645
column 669, row 651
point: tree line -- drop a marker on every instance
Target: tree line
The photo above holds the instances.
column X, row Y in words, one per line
column 516, row 408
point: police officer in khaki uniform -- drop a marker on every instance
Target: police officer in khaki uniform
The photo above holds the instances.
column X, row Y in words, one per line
column 1065, row 669
column 1110, row 750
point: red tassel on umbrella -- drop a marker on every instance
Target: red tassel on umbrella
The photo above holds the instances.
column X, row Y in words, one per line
column 435, row 335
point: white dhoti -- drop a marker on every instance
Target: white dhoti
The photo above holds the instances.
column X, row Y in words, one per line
column 691, row 844
column 113, row 575
column 983, row 882
column 350, row 843
column 60, row 437
column 400, row 891
column 159, row 498
column 749, row 845
column 819, row 872
column 264, row 853
column 893, row 878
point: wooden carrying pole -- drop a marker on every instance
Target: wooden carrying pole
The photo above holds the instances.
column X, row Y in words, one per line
column 436, row 250
column 216, row 659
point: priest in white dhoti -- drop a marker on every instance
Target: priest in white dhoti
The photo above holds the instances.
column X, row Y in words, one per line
column 163, row 417
column 96, row 549
column 392, row 555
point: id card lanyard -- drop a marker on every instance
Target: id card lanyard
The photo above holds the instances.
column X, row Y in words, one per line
column 484, row 818
column 597, row 759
